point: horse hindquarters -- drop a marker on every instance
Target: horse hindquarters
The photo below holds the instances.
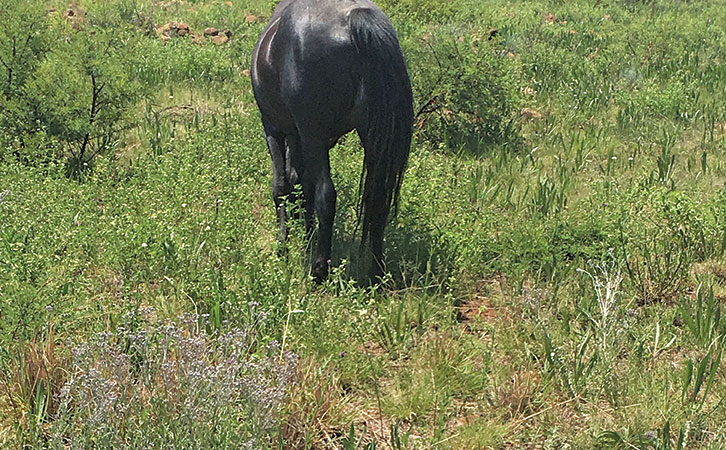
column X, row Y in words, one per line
column 321, row 69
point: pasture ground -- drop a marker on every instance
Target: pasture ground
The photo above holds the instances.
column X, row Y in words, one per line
column 557, row 266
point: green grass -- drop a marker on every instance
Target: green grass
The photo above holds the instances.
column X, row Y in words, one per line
column 555, row 282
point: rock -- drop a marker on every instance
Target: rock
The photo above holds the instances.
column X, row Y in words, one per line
column 211, row 31
column 220, row 39
column 250, row 18
column 182, row 29
column 173, row 29
column 164, row 29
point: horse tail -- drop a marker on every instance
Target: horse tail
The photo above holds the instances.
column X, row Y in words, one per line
column 387, row 89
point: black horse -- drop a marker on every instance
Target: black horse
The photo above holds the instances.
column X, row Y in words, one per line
column 320, row 69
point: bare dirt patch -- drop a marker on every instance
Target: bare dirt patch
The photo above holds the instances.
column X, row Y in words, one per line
column 480, row 307
column 530, row 114
column 372, row 348
column 373, row 426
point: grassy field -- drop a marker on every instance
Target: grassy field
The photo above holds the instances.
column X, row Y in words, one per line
column 557, row 267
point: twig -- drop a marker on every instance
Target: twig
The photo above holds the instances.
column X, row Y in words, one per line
column 287, row 325
column 424, row 108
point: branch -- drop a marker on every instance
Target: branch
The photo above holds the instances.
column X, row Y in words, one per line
column 436, row 56
column 25, row 46
column 94, row 98
column 108, row 47
column 425, row 108
column 433, row 99
column 100, row 88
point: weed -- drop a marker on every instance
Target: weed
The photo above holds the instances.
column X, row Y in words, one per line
column 704, row 320
column 606, row 279
column 171, row 383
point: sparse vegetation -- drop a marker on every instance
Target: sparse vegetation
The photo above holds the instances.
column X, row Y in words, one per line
column 557, row 267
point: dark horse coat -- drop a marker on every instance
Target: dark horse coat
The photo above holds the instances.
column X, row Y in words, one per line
column 320, row 69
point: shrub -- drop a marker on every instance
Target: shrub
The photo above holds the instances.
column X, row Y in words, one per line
column 466, row 88
column 662, row 234
column 82, row 92
column 171, row 385
column 65, row 91
column 673, row 100
column 24, row 40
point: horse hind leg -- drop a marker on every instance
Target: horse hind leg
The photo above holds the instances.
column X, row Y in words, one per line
column 281, row 187
column 294, row 170
column 320, row 196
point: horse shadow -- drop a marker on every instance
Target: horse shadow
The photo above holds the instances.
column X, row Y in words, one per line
column 415, row 255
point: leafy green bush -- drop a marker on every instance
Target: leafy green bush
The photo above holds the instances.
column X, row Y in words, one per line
column 24, row 40
column 466, row 86
column 662, row 234
column 82, row 92
column 673, row 100
column 67, row 97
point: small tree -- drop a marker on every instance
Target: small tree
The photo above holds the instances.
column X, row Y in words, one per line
column 466, row 88
column 82, row 92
